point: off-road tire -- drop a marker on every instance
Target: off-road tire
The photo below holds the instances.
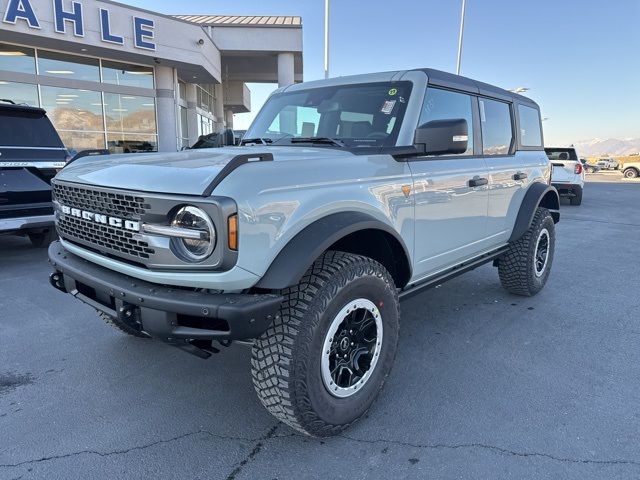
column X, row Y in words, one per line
column 286, row 359
column 577, row 200
column 516, row 267
column 121, row 326
column 630, row 173
column 44, row 238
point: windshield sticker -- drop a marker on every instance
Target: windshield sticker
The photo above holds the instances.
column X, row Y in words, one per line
column 387, row 106
column 393, row 91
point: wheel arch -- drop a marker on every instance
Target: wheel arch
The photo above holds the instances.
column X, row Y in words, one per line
column 353, row 232
column 539, row 195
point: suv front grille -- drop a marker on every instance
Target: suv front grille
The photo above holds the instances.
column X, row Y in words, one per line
column 99, row 236
column 108, row 203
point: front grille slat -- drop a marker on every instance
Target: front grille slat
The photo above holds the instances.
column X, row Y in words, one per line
column 114, row 204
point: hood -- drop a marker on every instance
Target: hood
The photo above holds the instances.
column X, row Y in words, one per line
column 189, row 172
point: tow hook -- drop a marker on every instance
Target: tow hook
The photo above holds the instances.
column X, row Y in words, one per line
column 57, row 282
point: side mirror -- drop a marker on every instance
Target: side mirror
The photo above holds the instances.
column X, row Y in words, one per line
column 441, row 137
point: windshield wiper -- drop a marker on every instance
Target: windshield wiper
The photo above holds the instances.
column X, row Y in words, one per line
column 262, row 140
column 322, row 140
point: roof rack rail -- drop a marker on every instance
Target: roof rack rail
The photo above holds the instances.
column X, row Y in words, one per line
column 6, row 100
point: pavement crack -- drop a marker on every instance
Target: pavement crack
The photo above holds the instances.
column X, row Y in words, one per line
column 496, row 449
column 252, row 454
column 140, row 447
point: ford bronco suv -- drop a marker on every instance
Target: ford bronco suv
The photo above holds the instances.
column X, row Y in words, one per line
column 31, row 152
column 346, row 195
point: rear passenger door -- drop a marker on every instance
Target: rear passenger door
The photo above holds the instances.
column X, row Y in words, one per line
column 507, row 176
column 450, row 213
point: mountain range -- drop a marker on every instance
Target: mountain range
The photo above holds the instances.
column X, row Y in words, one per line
column 611, row 146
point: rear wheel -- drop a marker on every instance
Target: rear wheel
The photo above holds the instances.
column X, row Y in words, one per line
column 321, row 364
column 630, row 173
column 577, row 198
column 524, row 268
column 44, row 238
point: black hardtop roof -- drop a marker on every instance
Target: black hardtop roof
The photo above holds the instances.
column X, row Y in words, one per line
column 12, row 107
column 458, row 82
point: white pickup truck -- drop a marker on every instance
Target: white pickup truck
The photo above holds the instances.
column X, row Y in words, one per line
column 567, row 174
column 631, row 169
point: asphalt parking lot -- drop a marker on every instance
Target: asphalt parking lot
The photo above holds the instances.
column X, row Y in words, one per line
column 485, row 385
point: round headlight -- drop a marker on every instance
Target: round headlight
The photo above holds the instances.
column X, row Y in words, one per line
column 200, row 247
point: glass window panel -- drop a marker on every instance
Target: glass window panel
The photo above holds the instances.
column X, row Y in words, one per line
column 73, row 109
column 77, row 141
column 63, row 65
column 446, row 105
column 126, row 74
column 184, row 127
column 530, row 133
column 497, row 134
column 182, row 89
column 25, row 93
column 17, row 59
column 129, row 113
column 131, row 143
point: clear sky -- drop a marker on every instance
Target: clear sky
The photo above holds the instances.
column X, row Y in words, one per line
column 580, row 58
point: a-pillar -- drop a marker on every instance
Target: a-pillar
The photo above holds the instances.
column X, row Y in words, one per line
column 166, row 105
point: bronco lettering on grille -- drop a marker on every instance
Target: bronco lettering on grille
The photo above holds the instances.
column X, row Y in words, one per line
column 99, row 218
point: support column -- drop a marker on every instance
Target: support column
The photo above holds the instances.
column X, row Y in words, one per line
column 228, row 118
column 192, row 114
column 166, row 107
column 286, row 72
column 219, row 107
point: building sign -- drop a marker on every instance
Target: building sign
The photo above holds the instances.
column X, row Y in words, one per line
column 70, row 20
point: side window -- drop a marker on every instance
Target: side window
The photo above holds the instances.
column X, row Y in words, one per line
column 446, row 105
column 497, row 134
column 530, row 134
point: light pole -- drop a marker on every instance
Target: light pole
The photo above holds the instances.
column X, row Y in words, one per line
column 326, row 38
column 464, row 4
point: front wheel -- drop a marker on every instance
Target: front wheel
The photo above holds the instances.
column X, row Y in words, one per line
column 321, row 364
column 630, row 173
column 524, row 268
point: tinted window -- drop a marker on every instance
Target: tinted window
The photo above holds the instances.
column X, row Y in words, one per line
column 62, row 65
column 19, row 129
column 24, row 93
column 17, row 59
column 495, row 118
column 530, row 134
column 445, row 105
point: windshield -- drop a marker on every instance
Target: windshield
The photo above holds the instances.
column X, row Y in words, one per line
column 367, row 114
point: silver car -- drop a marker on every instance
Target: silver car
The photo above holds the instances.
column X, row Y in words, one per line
column 346, row 195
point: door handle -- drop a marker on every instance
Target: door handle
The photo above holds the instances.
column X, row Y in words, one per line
column 520, row 176
column 478, row 182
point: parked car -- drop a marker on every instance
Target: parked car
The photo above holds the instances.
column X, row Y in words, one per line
column 568, row 173
column 607, row 164
column 588, row 167
column 31, row 153
column 216, row 140
column 302, row 243
column 631, row 169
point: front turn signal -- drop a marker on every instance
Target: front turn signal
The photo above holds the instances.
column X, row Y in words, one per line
column 232, row 228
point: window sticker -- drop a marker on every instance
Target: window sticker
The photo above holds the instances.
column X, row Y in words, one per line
column 393, row 92
column 387, row 106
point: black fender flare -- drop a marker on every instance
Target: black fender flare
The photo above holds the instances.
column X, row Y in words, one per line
column 538, row 194
column 306, row 246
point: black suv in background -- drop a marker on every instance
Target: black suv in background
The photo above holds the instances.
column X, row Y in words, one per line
column 31, row 153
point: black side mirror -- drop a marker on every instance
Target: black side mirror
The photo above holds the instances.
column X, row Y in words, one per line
column 441, row 137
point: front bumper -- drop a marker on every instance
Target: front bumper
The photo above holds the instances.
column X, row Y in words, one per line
column 171, row 314
column 26, row 223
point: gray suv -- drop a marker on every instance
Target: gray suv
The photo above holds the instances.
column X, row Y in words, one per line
column 346, row 196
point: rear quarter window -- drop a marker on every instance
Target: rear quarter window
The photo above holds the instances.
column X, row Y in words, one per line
column 23, row 129
column 530, row 132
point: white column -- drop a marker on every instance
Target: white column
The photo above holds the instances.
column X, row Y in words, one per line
column 286, row 72
column 219, row 107
column 192, row 114
column 166, row 106
column 228, row 117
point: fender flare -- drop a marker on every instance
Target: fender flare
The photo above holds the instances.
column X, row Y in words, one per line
column 306, row 246
column 539, row 194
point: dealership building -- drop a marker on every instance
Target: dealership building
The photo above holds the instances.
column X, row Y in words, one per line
column 118, row 77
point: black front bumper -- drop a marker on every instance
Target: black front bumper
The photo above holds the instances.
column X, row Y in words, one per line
column 170, row 314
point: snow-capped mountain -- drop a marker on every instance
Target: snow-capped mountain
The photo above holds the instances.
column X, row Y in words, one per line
column 612, row 147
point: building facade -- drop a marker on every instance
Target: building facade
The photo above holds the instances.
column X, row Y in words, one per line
column 117, row 77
